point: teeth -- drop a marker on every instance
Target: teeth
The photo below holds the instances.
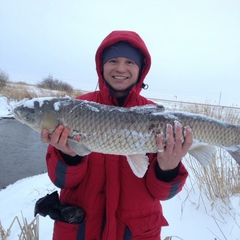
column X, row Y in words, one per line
column 118, row 77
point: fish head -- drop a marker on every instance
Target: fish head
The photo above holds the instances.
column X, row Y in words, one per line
column 38, row 113
column 25, row 115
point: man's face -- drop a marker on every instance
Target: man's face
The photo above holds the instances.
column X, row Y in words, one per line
column 120, row 73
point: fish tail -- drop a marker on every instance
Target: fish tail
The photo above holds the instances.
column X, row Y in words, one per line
column 235, row 154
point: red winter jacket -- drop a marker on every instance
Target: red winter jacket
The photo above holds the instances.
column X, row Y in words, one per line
column 114, row 199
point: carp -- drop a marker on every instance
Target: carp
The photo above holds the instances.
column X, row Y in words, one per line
column 131, row 132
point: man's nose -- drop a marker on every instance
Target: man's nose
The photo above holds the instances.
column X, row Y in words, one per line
column 120, row 67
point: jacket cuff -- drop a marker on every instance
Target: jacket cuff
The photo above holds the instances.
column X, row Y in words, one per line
column 166, row 176
column 71, row 161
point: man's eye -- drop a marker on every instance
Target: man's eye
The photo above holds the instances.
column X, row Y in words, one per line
column 130, row 62
column 112, row 61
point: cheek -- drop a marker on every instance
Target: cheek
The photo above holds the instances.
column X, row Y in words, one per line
column 136, row 74
column 136, row 71
column 106, row 71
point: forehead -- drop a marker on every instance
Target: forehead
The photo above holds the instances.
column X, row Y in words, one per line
column 120, row 59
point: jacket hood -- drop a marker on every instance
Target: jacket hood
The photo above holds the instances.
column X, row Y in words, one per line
column 135, row 40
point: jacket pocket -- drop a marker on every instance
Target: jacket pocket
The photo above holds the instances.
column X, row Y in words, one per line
column 63, row 231
column 147, row 226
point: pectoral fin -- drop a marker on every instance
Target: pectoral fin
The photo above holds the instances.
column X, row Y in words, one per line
column 138, row 163
column 78, row 147
column 203, row 153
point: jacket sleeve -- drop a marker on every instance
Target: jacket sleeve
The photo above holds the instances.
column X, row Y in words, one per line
column 164, row 190
column 62, row 174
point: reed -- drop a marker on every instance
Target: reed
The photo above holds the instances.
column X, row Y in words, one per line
column 28, row 231
column 220, row 179
column 19, row 91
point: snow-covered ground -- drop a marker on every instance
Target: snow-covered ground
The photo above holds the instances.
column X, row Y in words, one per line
column 5, row 107
column 188, row 219
column 190, row 214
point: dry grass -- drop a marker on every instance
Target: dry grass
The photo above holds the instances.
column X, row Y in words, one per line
column 223, row 113
column 19, row 91
column 221, row 179
column 172, row 238
column 28, row 231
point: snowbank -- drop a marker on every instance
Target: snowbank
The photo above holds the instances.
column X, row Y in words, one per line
column 5, row 107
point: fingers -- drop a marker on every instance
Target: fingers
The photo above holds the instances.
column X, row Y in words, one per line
column 160, row 143
column 176, row 145
column 45, row 136
column 167, row 144
column 188, row 139
column 174, row 138
column 61, row 137
column 179, row 139
column 169, row 139
column 58, row 137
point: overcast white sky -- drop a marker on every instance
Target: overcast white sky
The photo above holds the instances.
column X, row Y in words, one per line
column 195, row 45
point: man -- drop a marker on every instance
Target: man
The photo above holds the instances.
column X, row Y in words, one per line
column 118, row 204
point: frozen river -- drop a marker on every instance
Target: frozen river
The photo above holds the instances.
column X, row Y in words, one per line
column 22, row 154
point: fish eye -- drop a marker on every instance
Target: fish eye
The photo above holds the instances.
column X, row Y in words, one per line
column 29, row 117
column 26, row 118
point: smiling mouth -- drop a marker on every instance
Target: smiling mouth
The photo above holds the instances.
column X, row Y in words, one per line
column 120, row 78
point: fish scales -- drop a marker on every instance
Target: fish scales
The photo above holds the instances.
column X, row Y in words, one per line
column 137, row 130
column 111, row 132
column 209, row 130
column 127, row 131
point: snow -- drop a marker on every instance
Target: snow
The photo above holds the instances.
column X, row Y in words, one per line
column 191, row 215
column 5, row 107
column 189, row 218
column 19, row 199
column 29, row 103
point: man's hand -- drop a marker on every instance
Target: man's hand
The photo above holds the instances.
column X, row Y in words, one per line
column 58, row 139
column 175, row 147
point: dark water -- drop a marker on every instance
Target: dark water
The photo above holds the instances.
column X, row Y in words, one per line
column 22, row 154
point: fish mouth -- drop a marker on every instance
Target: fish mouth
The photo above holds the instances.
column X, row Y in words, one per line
column 17, row 115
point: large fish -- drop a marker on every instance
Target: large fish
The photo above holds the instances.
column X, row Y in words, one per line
column 126, row 131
